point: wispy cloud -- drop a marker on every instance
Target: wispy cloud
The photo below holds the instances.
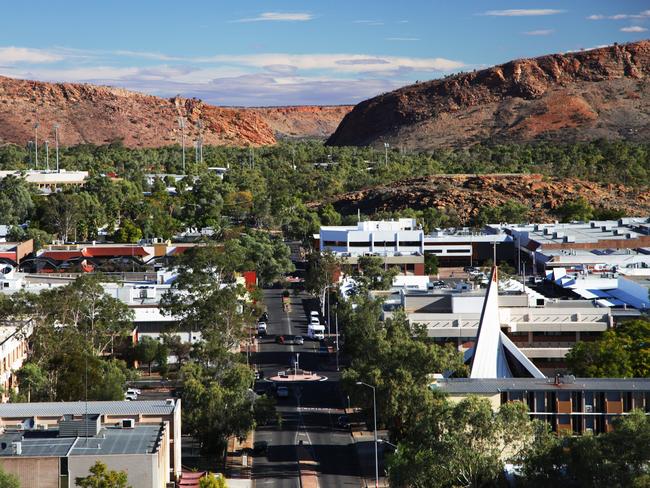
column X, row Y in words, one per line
column 633, row 28
column 523, row 12
column 13, row 55
column 403, row 39
column 539, row 32
column 641, row 15
column 368, row 22
column 279, row 17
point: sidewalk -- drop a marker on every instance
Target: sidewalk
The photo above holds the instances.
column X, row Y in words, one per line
column 239, row 461
column 364, row 445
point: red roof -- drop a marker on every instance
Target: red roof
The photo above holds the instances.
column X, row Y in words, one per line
column 190, row 479
column 62, row 255
column 110, row 251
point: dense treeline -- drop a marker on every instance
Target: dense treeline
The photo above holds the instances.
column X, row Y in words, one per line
column 270, row 187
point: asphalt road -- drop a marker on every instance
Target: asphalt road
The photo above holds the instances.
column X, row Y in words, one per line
column 310, row 413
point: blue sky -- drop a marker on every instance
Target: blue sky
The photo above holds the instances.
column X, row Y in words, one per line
column 282, row 52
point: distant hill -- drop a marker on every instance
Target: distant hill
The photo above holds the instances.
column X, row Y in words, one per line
column 600, row 93
column 99, row 115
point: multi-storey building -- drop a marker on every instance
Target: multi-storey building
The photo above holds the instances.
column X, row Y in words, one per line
column 402, row 243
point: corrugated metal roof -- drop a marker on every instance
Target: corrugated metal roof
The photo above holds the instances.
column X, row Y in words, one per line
column 469, row 385
column 45, row 409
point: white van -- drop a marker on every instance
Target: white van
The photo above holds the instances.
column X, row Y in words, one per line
column 316, row 331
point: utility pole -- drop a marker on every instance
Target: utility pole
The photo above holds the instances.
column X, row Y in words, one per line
column 47, row 155
column 336, row 318
column 181, row 125
column 29, row 151
column 56, row 142
column 386, row 145
column 36, row 125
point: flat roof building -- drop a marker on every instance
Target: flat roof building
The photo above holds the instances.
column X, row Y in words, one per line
column 567, row 404
column 55, row 457
column 34, row 418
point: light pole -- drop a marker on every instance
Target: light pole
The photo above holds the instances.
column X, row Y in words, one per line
column 181, row 125
column 56, row 143
column 36, row 125
column 374, row 408
column 386, row 146
column 47, row 155
column 336, row 319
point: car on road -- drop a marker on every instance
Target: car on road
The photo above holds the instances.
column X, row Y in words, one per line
column 130, row 396
column 282, row 392
column 343, row 422
column 261, row 328
column 260, row 447
column 134, row 391
column 314, row 321
column 298, row 340
column 280, row 339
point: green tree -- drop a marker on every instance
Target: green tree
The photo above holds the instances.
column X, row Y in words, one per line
column 619, row 352
column 101, row 477
column 577, row 209
column 128, row 232
column 372, row 274
column 213, row 481
column 269, row 257
column 31, row 378
column 8, row 480
column 16, row 202
column 41, row 238
column 146, row 351
column 430, row 264
column 206, row 298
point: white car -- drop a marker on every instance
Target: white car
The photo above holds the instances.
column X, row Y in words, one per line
column 313, row 314
column 315, row 321
column 130, row 396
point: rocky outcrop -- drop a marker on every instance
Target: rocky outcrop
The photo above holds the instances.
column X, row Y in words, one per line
column 602, row 92
column 465, row 195
column 100, row 115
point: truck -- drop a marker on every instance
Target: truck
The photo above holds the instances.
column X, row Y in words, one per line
column 316, row 331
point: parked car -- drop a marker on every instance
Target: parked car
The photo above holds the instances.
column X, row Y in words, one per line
column 469, row 269
column 343, row 421
column 314, row 321
column 264, row 317
column 282, row 392
column 314, row 313
column 130, row 396
column 137, row 391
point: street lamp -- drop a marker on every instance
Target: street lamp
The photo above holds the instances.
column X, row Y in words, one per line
column 384, row 441
column 56, row 142
column 36, row 126
column 374, row 408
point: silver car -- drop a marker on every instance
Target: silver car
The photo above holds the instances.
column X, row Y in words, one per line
column 298, row 340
